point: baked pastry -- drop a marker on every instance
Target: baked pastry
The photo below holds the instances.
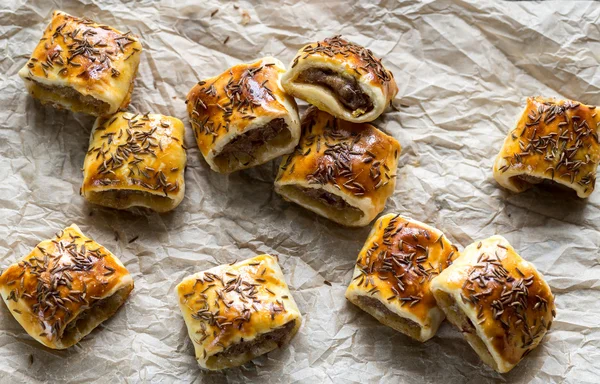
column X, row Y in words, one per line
column 65, row 288
column 236, row 312
column 135, row 161
column 341, row 78
column 82, row 66
column 554, row 141
column 499, row 302
column 242, row 117
column 393, row 273
column 340, row 170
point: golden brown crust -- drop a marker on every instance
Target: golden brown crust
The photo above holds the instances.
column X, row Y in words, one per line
column 350, row 60
column 554, row 140
column 233, row 303
column 136, row 153
column 355, row 161
column 93, row 59
column 396, row 265
column 240, row 99
column 506, row 299
column 358, row 57
column 58, row 280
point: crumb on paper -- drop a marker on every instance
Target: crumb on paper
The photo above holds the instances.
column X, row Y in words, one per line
column 226, row 40
column 214, row 12
column 245, row 17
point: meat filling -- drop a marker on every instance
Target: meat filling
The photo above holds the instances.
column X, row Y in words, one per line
column 525, row 181
column 247, row 143
column 371, row 302
column 277, row 335
column 83, row 317
column 123, row 199
column 530, row 179
column 346, row 89
column 466, row 325
column 457, row 317
column 69, row 94
column 326, row 198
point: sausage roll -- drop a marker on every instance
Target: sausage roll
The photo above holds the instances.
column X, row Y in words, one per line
column 340, row 170
column 341, row 78
column 236, row 312
column 65, row 288
column 242, row 117
column 83, row 66
column 499, row 302
column 553, row 141
column 135, row 161
column 393, row 273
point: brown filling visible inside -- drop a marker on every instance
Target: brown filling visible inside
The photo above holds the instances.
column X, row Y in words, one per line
column 327, row 198
column 248, row 142
column 367, row 301
column 336, row 208
column 526, row 181
column 277, row 336
column 345, row 88
column 123, row 198
column 83, row 317
column 79, row 101
column 244, row 148
column 457, row 317
column 530, row 179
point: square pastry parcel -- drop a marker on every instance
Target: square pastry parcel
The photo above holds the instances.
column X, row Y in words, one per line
column 135, row 161
column 236, row 312
column 393, row 274
column 554, row 142
column 242, row 117
column 499, row 301
column 340, row 170
column 65, row 288
column 83, row 66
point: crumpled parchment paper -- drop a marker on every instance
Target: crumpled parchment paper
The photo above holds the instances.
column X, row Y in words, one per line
column 463, row 69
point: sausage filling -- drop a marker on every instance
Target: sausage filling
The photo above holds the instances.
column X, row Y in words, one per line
column 457, row 317
column 245, row 147
column 326, row 198
column 526, row 181
column 277, row 336
column 69, row 95
column 83, row 317
column 346, row 89
column 370, row 302
column 319, row 200
column 124, row 198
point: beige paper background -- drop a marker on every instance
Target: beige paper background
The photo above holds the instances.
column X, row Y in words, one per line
column 463, row 69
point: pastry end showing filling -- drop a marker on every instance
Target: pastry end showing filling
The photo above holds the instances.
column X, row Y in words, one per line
column 64, row 96
column 248, row 148
column 89, row 318
column 336, row 207
column 382, row 313
column 457, row 317
column 123, row 199
column 253, row 348
column 345, row 88
column 524, row 182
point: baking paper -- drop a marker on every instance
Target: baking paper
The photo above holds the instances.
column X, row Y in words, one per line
column 464, row 70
